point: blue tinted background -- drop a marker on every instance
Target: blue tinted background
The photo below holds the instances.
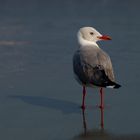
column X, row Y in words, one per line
column 39, row 98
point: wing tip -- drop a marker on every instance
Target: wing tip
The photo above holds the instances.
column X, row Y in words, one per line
column 116, row 86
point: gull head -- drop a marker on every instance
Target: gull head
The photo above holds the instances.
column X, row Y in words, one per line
column 89, row 36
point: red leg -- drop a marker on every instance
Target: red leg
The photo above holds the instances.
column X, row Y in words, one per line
column 83, row 100
column 101, row 99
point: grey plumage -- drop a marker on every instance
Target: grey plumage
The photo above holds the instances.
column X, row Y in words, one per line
column 92, row 66
column 85, row 61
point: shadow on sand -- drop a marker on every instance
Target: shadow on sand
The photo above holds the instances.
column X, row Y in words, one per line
column 68, row 107
column 56, row 104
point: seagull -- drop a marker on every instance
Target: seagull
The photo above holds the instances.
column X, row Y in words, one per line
column 91, row 65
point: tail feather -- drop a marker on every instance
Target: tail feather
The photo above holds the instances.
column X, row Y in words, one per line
column 113, row 85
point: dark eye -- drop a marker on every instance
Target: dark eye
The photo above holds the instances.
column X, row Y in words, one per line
column 91, row 33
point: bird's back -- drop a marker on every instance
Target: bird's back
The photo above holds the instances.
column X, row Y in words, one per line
column 86, row 59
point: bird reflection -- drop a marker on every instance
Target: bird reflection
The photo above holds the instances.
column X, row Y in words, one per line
column 102, row 117
column 101, row 134
column 101, row 120
column 84, row 121
column 98, row 134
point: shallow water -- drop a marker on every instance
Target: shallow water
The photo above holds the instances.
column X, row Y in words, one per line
column 39, row 97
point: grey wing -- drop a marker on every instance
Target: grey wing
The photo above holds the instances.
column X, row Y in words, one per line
column 105, row 61
column 93, row 69
column 85, row 72
column 95, row 57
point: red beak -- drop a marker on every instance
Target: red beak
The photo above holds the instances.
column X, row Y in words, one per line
column 104, row 37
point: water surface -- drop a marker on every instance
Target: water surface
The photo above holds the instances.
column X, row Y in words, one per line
column 39, row 97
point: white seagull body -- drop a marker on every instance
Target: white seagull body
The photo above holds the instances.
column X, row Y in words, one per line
column 91, row 65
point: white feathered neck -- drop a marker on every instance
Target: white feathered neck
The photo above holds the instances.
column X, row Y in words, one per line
column 82, row 42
